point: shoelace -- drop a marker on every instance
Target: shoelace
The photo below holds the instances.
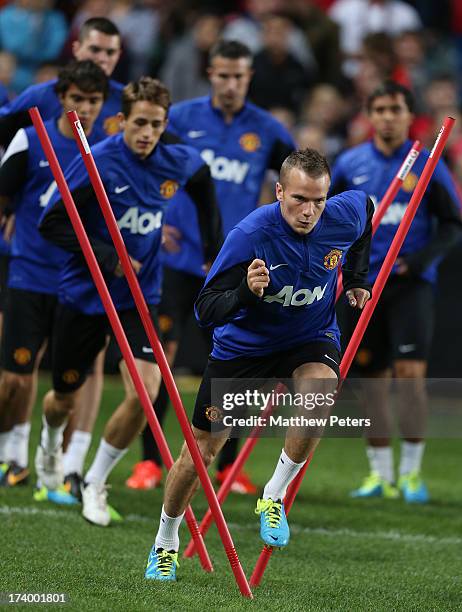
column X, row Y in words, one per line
column 272, row 510
column 165, row 561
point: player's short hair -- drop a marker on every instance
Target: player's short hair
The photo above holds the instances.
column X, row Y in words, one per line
column 145, row 89
column 310, row 161
column 85, row 75
column 230, row 49
column 391, row 88
column 100, row 24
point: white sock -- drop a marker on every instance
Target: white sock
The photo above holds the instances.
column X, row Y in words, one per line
column 106, row 458
column 18, row 447
column 411, row 457
column 167, row 536
column 51, row 437
column 4, row 442
column 381, row 461
column 77, row 450
column 285, row 472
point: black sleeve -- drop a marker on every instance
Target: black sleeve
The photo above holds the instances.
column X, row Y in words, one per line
column 356, row 265
column 10, row 124
column 56, row 227
column 12, row 175
column 201, row 189
column 448, row 230
column 226, row 294
column 278, row 154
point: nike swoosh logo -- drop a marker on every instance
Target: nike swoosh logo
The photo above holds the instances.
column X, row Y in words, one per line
column 147, row 349
column 406, row 348
column 271, row 536
column 196, row 133
column 359, row 180
column 121, row 189
column 327, row 356
column 277, row 266
column 43, row 163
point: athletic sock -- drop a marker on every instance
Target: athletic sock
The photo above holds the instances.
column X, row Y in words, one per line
column 106, row 458
column 150, row 449
column 76, row 452
column 285, row 472
column 381, row 461
column 411, row 457
column 4, row 442
column 18, row 446
column 167, row 536
column 52, row 437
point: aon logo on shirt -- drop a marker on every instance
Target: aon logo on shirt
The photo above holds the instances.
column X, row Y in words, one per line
column 302, row 297
column 140, row 224
column 224, row 169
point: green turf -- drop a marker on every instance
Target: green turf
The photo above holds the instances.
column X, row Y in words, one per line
column 344, row 554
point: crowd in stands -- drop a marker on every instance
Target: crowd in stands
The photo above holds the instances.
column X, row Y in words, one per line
column 316, row 61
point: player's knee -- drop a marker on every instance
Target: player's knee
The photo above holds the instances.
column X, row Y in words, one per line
column 59, row 402
column 409, row 369
column 12, row 383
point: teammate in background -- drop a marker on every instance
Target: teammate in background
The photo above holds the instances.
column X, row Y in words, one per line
column 398, row 339
column 26, row 184
column 99, row 41
column 240, row 142
column 265, row 329
column 141, row 175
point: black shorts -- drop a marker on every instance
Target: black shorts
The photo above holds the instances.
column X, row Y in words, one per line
column 179, row 292
column 276, row 365
column 27, row 324
column 400, row 328
column 78, row 338
column 4, row 264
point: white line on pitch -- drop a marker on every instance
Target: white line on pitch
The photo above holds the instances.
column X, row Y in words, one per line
column 296, row 529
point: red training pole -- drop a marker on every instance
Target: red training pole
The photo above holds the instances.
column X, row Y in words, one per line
column 251, row 441
column 111, row 312
column 368, row 310
column 388, row 198
column 159, row 353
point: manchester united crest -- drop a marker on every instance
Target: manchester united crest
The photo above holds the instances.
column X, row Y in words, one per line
column 410, row 182
column 111, row 125
column 22, row 356
column 214, row 414
column 332, row 259
column 70, row 377
column 168, row 189
column 250, row 142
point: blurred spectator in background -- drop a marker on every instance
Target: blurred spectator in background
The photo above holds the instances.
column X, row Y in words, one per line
column 34, row 33
column 185, row 69
column 410, row 52
column 311, row 136
column 279, row 79
column 138, row 23
column 47, row 72
column 328, row 109
column 323, row 35
column 7, row 69
column 246, row 28
column 357, row 18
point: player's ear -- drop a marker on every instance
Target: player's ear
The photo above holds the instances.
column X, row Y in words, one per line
column 121, row 119
column 75, row 48
column 279, row 191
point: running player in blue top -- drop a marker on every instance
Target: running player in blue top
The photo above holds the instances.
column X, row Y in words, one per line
column 240, row 142
column 270, row 297
column 141, row 176
column 398, row 338
column 26, row 183
column 99, row 41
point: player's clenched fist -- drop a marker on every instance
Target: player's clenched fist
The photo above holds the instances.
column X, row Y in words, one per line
column 258, row 277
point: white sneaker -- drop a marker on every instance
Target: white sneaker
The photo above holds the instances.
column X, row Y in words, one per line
column 94, row 504
column 49, row 468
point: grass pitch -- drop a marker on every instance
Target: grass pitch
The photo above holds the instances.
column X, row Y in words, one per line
column 344, row 554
